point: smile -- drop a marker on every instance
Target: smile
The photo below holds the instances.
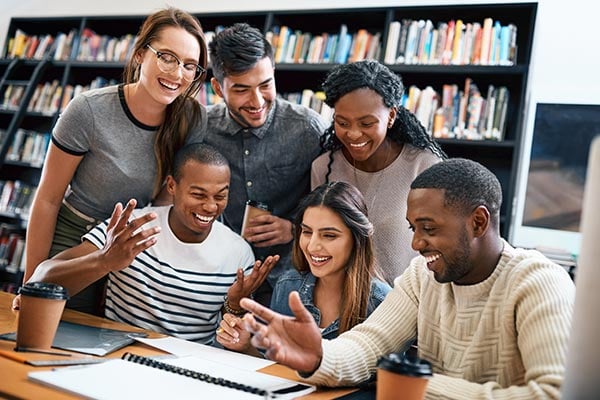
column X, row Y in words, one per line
column 431, row 258
column 319, row 260
column 254, row 111
column 168, row 85
column 203, row 218
column 358, row 145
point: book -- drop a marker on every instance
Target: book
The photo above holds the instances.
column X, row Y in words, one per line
column 87, row 339
column 178, row 378
column 391, row 48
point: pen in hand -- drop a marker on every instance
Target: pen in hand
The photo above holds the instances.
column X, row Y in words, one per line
column 41, row 351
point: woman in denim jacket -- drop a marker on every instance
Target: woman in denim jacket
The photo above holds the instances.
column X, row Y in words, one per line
column 335, row 266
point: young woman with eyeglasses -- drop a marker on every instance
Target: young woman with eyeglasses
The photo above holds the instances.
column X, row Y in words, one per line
column 117, row 143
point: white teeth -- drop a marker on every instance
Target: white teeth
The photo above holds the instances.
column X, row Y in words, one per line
column 319, row 259
column 169, row 85
column 432, row 258
column 203, row 218
column 358, row 144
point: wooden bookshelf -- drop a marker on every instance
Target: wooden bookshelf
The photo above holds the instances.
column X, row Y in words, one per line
column 292, row 77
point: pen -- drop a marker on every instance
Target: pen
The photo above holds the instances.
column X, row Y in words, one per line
column 12, row 355
column 42, row 351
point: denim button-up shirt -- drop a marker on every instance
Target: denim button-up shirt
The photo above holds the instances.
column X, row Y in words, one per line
column 304, row 283
column 270, row 164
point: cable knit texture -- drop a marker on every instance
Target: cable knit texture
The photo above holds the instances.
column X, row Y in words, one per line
column 503, row 338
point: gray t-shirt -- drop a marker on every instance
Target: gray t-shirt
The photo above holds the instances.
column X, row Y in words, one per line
column 118, row 158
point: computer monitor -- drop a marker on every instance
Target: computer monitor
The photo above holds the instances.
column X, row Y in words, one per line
column 583, row 354
column 552, row 175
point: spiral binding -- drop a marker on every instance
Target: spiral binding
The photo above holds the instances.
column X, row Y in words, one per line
column 194, row 375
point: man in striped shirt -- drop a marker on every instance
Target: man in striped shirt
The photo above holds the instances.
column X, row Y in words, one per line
column 171, row 269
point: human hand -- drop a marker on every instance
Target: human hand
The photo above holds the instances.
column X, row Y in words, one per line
column 232, row 335
column 16, row 303
column 268, row 230
column 291, row 341
column 244, row 286
column 126, row 239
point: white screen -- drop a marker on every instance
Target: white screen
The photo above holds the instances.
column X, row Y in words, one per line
column 583, row 355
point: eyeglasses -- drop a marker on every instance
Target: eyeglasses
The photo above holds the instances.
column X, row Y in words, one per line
column 168, row 63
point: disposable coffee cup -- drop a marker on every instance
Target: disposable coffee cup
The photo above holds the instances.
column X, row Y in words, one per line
column 402, row 377
column 41, row 307
column 253, row 209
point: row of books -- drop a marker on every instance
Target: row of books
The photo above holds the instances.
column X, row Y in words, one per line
column 12, row 249
column 29, row 147
column 451, row 43
column 460, row 114
column 36, row 47
column 16, row 197
column 95, row 47
column 295, row 46
column 455, row 114
column 311, row 99
column 48, row 97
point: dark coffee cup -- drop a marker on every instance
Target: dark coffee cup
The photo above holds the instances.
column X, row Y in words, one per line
column 41, row 307
column 253, row 209
column 402, row 377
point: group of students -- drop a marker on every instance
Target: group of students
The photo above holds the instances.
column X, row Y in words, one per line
column 493, row 320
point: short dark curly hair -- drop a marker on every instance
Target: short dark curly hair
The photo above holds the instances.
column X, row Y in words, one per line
column 466, row 183
column 345, row 78
column 236, row 49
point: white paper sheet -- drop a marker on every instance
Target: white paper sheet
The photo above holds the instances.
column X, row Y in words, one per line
column 181, row 347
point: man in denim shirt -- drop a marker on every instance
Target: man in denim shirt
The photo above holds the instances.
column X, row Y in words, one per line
column 270, row 143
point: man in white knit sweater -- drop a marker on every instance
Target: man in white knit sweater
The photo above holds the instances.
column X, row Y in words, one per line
column 492, row 320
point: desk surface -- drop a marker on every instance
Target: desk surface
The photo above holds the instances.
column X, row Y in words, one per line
column 14, row 382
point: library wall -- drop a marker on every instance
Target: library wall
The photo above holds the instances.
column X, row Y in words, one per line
column 563, row 65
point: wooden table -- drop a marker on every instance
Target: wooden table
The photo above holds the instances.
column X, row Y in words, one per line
column 13, row 374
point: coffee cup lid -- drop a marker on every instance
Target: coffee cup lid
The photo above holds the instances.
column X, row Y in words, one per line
column 44, row 290
column 404, row 364
column 258, row 204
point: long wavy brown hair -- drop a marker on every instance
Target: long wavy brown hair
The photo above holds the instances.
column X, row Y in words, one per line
column 184, row 112
column 347, row 202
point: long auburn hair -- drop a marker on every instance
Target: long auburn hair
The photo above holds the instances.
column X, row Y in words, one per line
column 184, row 111
column 347, row 202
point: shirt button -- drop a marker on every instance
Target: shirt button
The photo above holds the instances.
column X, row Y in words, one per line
column 249, row 183
column 247, row 152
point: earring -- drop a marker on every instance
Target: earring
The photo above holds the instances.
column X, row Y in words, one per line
column 391, row 123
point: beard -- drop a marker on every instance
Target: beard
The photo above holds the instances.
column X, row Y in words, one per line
column 458, row 264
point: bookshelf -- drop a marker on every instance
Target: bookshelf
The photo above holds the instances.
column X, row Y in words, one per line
column 74, row 66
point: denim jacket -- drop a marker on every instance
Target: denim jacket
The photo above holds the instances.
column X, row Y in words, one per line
column 304, row 283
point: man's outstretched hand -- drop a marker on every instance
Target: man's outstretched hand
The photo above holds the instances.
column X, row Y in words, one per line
column 291, row 341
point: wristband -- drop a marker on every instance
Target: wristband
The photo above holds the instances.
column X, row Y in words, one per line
column 229, row 310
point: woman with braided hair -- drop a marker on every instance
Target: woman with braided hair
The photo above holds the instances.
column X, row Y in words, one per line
column 378, row 146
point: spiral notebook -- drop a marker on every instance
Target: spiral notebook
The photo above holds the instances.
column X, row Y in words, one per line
column 190, row 377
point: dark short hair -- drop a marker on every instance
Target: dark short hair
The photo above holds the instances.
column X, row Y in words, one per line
column 237, row 49
column 199, row 152
column 466, row 183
